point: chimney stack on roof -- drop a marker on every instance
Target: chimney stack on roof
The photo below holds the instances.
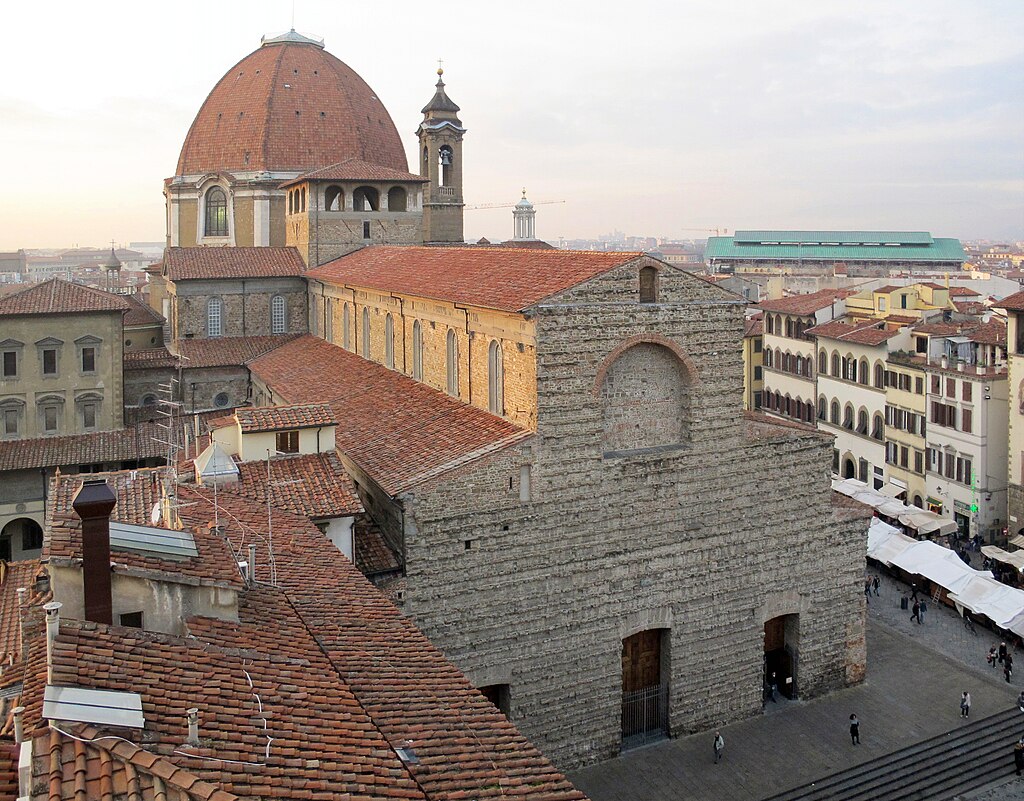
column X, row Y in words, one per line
column 52, row 630
column 94, row 502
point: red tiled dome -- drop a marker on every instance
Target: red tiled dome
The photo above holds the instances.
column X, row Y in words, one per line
column 290, row 105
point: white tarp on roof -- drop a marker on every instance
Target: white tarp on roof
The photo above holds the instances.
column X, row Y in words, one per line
column 886, row 542
column 935, row 563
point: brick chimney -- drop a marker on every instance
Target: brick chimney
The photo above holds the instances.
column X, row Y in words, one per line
column 93, row 503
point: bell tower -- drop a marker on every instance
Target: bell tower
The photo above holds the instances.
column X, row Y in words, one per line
column 440, row 136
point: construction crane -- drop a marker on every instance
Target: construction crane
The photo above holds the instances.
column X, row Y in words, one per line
column 715, row 231
column 507, row 205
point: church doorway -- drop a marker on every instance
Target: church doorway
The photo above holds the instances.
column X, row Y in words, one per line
column 644, row 687
column 849, row 468
column 781, row 654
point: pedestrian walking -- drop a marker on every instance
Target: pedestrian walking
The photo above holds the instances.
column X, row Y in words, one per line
column 1002, row 652
column 875, row 584
column 913, row 591
column 965, row 704
column 773, row 688
column 1007, row 670
column 867, row 589
column 854, row 730
column 1018, row 755
column 1020, row 701
column 920, row 615
column 991, row 658
column 917, row 612
column 719, row 746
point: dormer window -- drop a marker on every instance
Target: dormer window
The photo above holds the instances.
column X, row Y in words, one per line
column 288, row 441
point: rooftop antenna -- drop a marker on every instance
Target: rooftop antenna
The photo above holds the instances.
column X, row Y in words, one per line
column 293, row 15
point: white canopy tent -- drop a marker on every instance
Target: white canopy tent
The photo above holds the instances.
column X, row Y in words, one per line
column 918, row 519
column 1016, row 559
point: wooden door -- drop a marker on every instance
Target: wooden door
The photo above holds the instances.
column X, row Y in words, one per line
column 641, row 661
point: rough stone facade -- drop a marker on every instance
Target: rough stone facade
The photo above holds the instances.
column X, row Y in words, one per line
column 536, row 587
column 245, row 309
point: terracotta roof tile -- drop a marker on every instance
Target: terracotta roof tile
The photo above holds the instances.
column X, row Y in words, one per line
column 185, row 264
column 866, row 332
column 974, row 307
column 1014, row 302
column 276, row 418
column 13, row 576
column 355, row 170
column 962, row 291
column 991, row 333
column 124, row 445
column 315, row 485
column 373, row 555
column 805, row 304
column 140, row 313
column 228, row 351
column 60, row 297
column 508, row 279
column 149, row 359
column 754, row 326
column 399, row 430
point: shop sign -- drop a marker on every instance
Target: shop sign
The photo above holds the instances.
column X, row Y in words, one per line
column 960, row 506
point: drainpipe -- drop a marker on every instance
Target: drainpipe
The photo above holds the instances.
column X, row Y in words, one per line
column 93, row 503
column 52, row 630
column 251, row 577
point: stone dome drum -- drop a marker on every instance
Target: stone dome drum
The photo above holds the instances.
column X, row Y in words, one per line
column 289, row 106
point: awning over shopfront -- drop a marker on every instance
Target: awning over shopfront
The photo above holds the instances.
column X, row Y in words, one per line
column 910, row 516
column 1018, row 541
column 892, row 490
column 1016, row 558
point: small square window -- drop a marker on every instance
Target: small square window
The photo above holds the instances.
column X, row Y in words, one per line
column 88, row 360
column 132, row 620
column 287, row 441
column 49, row 362
column 10, row 364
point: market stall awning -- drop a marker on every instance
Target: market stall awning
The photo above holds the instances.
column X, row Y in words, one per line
column 984, row 595
column 1016, row 559
column 886, row 542
column 892, row 490
column 918, row 519
column 1018, row 541
column 936, row 563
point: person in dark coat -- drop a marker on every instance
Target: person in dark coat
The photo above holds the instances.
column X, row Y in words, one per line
column 1018, row 755
column 1002, row 652
column 965, row 704
column 917, row 612
column 875, row 584
column 854, row 730
column 991, row 656
column 1008, row 667
column 719, row 746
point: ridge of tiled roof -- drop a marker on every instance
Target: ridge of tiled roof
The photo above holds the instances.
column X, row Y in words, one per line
column 355, row 170
column 125, row 444
column 140, row 313
column 58, row 296
column 228, row 351
column 866, row 332
column 805, row 304
column 398, row 430
column 252, row 419
column 196, row 263
column 314, row 485
column 149, row 358
column 992, row 332
column 507, row 279
column 465, row 748
column 1014, row 302
column 754, row 326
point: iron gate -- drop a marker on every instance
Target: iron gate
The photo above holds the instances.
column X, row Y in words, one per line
column 644, row 716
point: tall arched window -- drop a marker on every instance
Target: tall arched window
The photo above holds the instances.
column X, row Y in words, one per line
column 822, row 408
column 397, row 199
column 879, row 375
column 769, row 357
column 836, row 366
column 495, row 379
column 346, row 327
column 452, row 363
column 834, row 412
column 334, row 199
column 366, row 333
column 216, row 223
column 822, row 363
column 278, row 315
column 329, row 319
column 862, row 421
column 848, row 416
column 365, row 198
column 878, row 428
column 389, row 342
column 648, row 285
column 214, row 318
column 446, row 158
column 417, row 350
column 864, row 372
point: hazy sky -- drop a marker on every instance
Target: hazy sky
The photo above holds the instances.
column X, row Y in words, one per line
column 647, row 117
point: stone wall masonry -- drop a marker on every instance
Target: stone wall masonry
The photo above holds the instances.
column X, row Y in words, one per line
column 697, row 538
column 245, row 309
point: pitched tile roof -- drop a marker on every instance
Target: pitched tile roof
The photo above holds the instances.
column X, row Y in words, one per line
column 57, row 296
column 373, row 555
column 315, row 485
column 136, row 497
column 465, row 747
column 509, row 279
column 140, row 313
column 185, row 264
column 15, row 575
column 398, row 430
column 805, row 304
column 974, row 307
column 761, row 426
column 276, row 418
column 754, row 326
column 865, row 332
column 149, row 359
column 991, row 333
column 1014, row 302
column 126, row 444
column 962, row 291
column 355, row 170
column 228, row 351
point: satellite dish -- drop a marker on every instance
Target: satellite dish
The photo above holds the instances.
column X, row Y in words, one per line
column 154, row 516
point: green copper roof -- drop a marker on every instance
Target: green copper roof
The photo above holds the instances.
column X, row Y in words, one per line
column 833, row 237
column 728, row 248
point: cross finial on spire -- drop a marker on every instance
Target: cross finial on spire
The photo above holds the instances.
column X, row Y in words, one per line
column 111, row 244
column 524, row 193
column 440, row 66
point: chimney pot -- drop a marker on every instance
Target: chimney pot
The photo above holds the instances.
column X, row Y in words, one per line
column 19, row 731
column 52, row 610
column 193, row 725
column 94, row 502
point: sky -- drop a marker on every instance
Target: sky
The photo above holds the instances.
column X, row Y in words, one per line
column 659, row 118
